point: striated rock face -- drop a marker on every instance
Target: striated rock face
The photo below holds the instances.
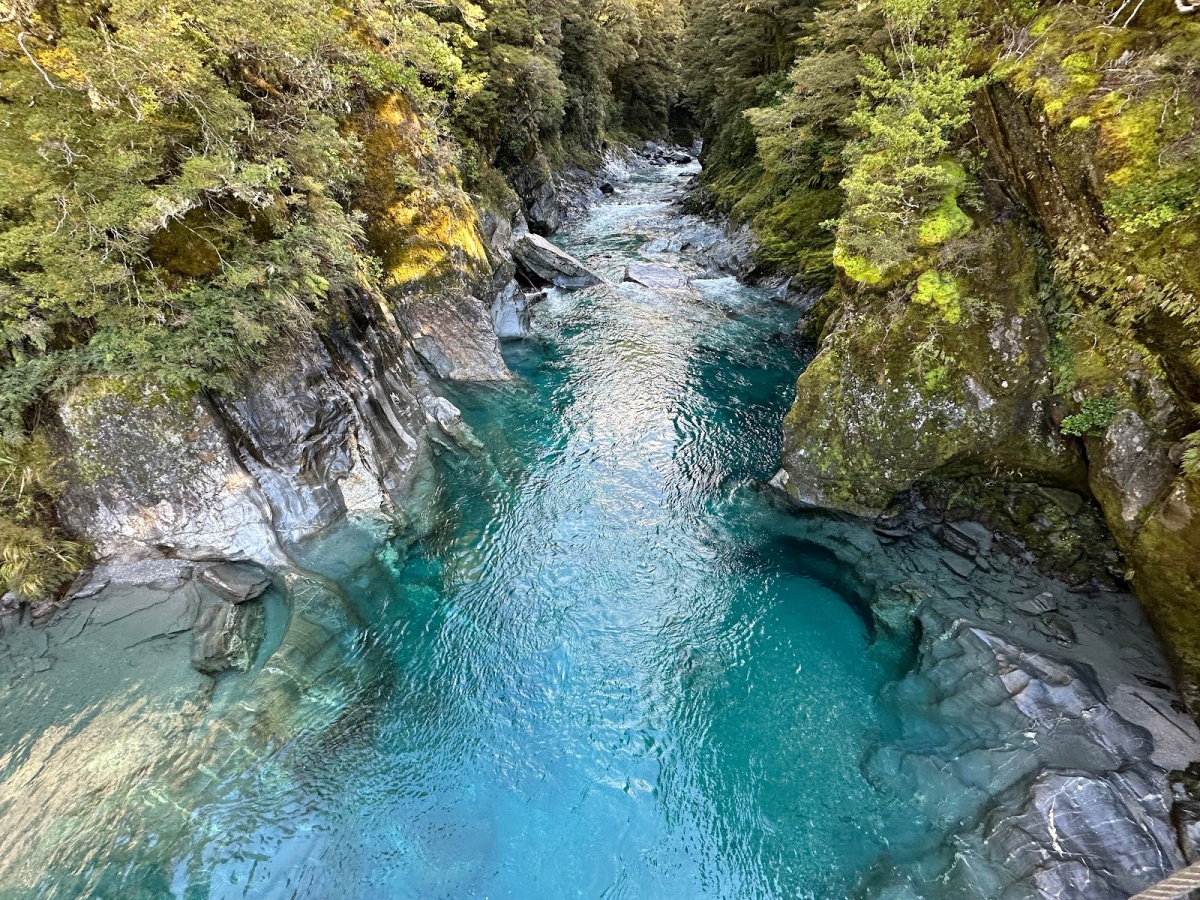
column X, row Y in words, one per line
column 158, row 475
column 339, row 425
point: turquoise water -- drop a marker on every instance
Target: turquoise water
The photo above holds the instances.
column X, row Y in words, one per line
column 606, row 672
column 610, row 678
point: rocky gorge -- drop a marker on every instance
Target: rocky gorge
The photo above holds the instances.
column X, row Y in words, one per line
column 1026, row 738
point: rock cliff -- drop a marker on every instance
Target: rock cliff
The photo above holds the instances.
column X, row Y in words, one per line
column 1009, row 348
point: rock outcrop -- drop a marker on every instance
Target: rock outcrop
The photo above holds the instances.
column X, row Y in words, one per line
column 335, row 426
column 901, row 390
column 543, row 263
column 1035, row 731
column 1005, row 367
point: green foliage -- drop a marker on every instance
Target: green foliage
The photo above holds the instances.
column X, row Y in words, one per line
column 1095, row 414
column 558, row 76
column 941, row 291
column 175, row 179
column 913, row 99
column 35, row 557
column 1191, row 455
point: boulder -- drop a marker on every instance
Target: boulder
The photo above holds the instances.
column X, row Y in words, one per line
column 544, row 263
column 236, row 582
column 659, row 278
column 1130, row 469
column 872, row 417
column 226, row 636
column 607, row 188
column 510, row 313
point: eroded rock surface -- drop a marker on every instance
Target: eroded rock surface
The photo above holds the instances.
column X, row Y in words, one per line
column 1037, row 727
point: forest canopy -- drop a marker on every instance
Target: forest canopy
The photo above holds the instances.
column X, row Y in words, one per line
column 182, row 182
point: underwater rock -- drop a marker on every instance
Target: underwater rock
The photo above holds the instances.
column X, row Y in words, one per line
column 655, row 277
column 226, row 636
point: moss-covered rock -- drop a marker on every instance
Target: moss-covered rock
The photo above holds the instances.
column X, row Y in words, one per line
column 1166, row 575
column 955, row 376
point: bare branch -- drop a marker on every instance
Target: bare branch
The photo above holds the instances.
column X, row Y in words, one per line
column 21, row 40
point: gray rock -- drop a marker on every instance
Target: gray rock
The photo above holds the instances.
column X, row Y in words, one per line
column 546, row 264
column 662, row 278
column 236, row 582
column 1185, row 817
column 226, row 636
column 1036, row 606
column 510, row 313
column 156, row 472
column 1077, row 835
column 1132, row 465
column 1068, row 501
column 959, row 565
column 978, row 535
column 454, row 336
column 335, row 426
column 1057, row 628
column 544, row 208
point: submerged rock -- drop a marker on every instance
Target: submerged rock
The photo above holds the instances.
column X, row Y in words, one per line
column 544, row 263
column 661, row 278
column 226, row 636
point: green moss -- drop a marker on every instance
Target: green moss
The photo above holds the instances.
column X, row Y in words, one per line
column 792, row 234
column 1081, row 123
column 1077, row 62
column 858, row 268
column 1166, row 576
column 941, row 291
column 936, row 379
column 944, row 224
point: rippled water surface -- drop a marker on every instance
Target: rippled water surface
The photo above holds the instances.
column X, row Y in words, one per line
column 603, row 673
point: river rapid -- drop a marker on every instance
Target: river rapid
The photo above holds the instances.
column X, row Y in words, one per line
column 611, row 665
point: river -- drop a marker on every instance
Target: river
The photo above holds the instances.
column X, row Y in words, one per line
column 612, row 665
